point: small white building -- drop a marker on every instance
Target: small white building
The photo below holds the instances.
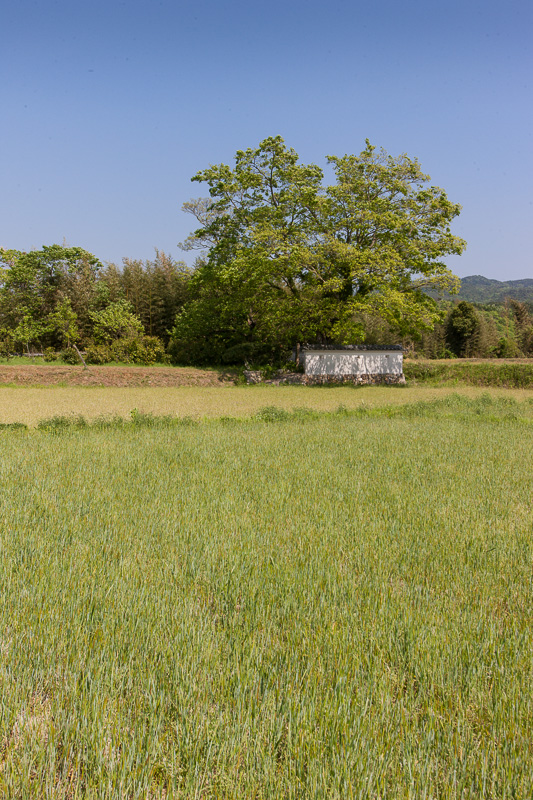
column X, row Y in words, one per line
column 362, row 363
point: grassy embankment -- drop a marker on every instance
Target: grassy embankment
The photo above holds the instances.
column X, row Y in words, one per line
column 320, row 607
column 517, row 373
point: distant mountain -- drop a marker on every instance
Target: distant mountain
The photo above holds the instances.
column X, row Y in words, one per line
column 478, row 289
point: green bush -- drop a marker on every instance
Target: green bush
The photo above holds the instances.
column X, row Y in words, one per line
column 70, row 356
column 272, row 414
column 123, row 350
column 50, row 354
column 153, row 350
column 142, row 350
column 99, row 354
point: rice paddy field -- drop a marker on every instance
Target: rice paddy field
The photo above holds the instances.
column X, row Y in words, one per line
column 327, row 603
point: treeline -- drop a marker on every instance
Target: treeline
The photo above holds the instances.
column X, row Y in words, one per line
column 285, row 259
column 58, row 299
column 468, row 330
column 61, row 298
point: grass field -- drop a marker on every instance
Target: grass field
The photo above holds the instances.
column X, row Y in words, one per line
column 31, row 404
column 289, row 606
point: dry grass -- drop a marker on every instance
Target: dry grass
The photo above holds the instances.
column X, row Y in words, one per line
column 32, row 404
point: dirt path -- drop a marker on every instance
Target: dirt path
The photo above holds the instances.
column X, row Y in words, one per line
column 113, row 376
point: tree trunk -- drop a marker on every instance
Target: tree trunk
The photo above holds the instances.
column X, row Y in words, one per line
column 81, row 357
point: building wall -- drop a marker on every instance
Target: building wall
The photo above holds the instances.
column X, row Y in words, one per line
column 345, row 362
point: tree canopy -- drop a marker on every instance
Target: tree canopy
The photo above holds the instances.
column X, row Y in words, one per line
column 287, row 258
column 58, row 296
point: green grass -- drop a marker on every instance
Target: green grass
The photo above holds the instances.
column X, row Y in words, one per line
column 297, row 605
column 517, row 375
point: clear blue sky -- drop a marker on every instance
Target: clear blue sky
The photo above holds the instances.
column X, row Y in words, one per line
column 108, row 109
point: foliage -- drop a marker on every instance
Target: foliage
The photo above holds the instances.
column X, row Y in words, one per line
column 155, row 289
column 463, row 329
column 60, row 295
column 49, row 355
column 7, row 343
column 523, row 325
column 507, row 348
column 35, row 285
column 70, row 356
column 99, row 354
column 63, row 321
column 28, row 330
column 140, row 350
column 490, row 330
column 291, row 260
column 493, row 373
column 116, row 321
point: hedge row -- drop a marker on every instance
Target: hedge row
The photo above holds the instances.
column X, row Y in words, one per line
column 518, row 375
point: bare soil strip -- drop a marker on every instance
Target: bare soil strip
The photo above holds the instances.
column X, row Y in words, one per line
column 113, row 376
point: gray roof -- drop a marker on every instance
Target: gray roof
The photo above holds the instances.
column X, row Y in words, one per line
column 352, row 347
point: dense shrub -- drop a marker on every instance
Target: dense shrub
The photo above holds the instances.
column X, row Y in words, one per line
column 140, row 350
column 98, row 354
column 272, row 414
column 50, row 354
column 70, row 356
column 494, row 373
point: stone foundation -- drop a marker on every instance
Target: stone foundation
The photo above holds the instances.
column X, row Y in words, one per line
column 280, row 378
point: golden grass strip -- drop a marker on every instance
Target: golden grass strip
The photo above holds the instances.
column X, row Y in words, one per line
column 32, row 404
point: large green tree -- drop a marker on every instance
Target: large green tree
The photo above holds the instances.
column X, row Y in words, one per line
column 288, row 259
